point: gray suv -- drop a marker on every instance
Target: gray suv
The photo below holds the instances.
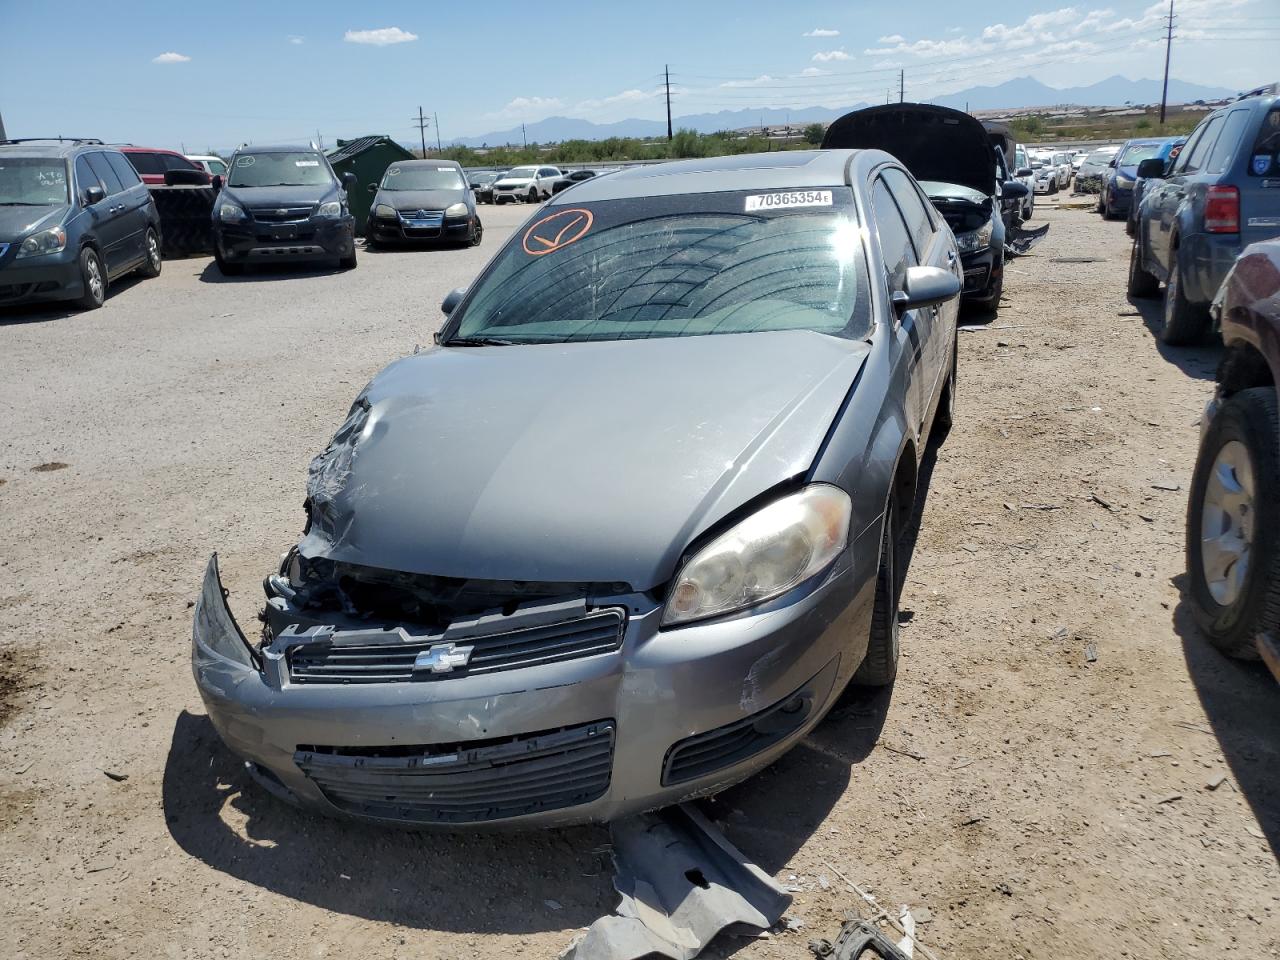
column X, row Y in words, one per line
column 1221, row 194
column 73, row 217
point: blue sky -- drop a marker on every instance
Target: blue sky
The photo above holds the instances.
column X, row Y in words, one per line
column 169, row 74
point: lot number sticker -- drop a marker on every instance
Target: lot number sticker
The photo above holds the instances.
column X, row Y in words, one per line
column 796, row 198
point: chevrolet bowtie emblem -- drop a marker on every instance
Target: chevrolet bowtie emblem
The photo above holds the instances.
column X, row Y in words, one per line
column 443, row 658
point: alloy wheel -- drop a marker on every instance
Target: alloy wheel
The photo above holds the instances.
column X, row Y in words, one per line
column 1227, row 524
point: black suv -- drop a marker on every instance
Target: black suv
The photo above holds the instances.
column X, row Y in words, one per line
column 282, row 203
column 73, row 217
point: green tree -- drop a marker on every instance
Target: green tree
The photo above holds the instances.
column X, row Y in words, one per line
column 814, row 133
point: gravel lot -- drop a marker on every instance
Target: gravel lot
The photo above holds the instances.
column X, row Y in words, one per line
column 1038, row 804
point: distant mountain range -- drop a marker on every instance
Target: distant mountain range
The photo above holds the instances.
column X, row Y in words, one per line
column 1018, row 93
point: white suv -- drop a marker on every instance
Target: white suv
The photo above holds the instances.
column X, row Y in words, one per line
column 531, row 184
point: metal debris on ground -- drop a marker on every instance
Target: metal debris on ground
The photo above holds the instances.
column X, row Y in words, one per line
column 857, row 937
column 681, row 884
column 1077, row 259
column 1019, row 241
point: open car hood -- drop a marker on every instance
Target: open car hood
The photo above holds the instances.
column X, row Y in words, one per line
column 934, row 143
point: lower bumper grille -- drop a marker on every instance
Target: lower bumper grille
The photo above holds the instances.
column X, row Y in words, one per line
column 596, row 633
column 466, row 782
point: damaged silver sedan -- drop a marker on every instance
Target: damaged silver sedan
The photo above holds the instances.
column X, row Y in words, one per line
column 623, row 535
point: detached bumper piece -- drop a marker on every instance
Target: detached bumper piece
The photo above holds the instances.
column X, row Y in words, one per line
column 465, row 783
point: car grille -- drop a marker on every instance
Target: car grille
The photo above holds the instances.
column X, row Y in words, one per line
column 587, row 636
column 281, row 214
column 466, row 782
column 421, row 219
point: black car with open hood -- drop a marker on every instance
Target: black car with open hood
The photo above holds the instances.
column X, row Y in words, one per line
column 951, row 154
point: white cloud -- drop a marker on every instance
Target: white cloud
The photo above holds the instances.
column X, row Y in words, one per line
column 826, row 56
column 381, row 37
column 822, row 32
column 813, row 72
column 892, row 38
column 171, row 57
column 297, row 41
column 763, row 78
column 618, row 99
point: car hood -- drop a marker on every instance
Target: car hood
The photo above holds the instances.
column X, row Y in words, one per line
column 517, row 181
column 281, row 196
column 421, row 199
column 17, row 222
column 934, row 143
column 936, row 190
column 585, row 462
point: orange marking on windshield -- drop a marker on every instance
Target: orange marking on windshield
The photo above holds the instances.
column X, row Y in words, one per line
column 579, row 223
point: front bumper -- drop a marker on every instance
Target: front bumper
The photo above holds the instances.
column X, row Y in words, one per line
column 1119, row 198
column 327, row 746
column 514, row 194
column 319, row 238
column 978, row 273
column 53, row 276
column 453, row 229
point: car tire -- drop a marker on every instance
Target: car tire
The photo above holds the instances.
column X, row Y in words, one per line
column 1184, row 322
column 154, row 262
column 1235, row 496
column 945, row 418
column 879, row 667
column 1143, row 284
column 533, row 195
column 370, row 242
column 227, row 269
column 93, row 277
column 477, row 233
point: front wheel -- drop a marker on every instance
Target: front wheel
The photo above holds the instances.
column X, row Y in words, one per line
column 153, row 263
column 1142, row 282
column 533, row 195
column 93, row 278
column 1233, row 514
column 879, row 667
column 228, row 269
column 477, row 233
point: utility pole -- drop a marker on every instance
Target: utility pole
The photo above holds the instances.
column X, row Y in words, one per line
column 524, row 135
column 902, row 85
column 1168, row 46
column 422, row 131
column 667, row 71
column 2, row 136
column 435, row 122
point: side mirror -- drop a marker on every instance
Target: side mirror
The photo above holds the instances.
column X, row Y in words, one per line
column 373, row 188
column 1153, row 168
column 1013, row 190
column 93, row 195
column 925, row 287
column 1112, row 163
column 452, row 299
column 1025, row 171
column 349, row 181
column 216, row 183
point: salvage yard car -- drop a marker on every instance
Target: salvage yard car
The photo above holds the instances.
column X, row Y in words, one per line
column 74, row 216
column 423, row 200
column 1221, row 194
column 1122, row 173
column 1090, row 174
column 624, row 533
column 1233, row 511
column 283, row 204
column 951, row 155
column 530, row 184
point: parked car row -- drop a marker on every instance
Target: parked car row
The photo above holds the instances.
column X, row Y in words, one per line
column 530, row 184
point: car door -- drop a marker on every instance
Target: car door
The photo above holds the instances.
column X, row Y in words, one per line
column 107, row 229
column 932, row 248
column 137, row 201
column 121, row 251
column 911, row 326
column 1173, row 193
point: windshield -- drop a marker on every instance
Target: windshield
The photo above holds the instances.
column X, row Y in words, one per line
column 1135, row 154
column 278, row 170
column 483, row 177
column 677, row 266
column 521, row 173
column 1101, row 156
column 32, row 181
column 430, row 177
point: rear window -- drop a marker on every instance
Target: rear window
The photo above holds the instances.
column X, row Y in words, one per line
column 1265, row 158
column 1229, row 141
column 148, row 163
column 33, row 181
column 676, row 267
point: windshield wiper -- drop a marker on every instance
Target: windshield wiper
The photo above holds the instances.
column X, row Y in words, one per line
column 480, row 342
column 22, row 203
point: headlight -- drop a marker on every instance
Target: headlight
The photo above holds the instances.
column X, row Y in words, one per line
column 456, row 210
column 974, row 240
column 775, row 549
column 382, row 210
column 1122, row 181
column 53, row 240
column 231, row 211
column 331, row 209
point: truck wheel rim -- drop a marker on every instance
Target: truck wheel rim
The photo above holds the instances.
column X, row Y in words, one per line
column 1226, row 523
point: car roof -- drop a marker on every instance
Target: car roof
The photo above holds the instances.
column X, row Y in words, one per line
column 50, row 148
column 275, row 148
column 130, row 148
column 791, row 169
column 425, row 163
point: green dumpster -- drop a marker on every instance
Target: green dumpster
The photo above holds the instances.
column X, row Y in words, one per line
column 368, row 158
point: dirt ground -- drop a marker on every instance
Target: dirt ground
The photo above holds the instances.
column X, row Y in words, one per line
column 1039, row 803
